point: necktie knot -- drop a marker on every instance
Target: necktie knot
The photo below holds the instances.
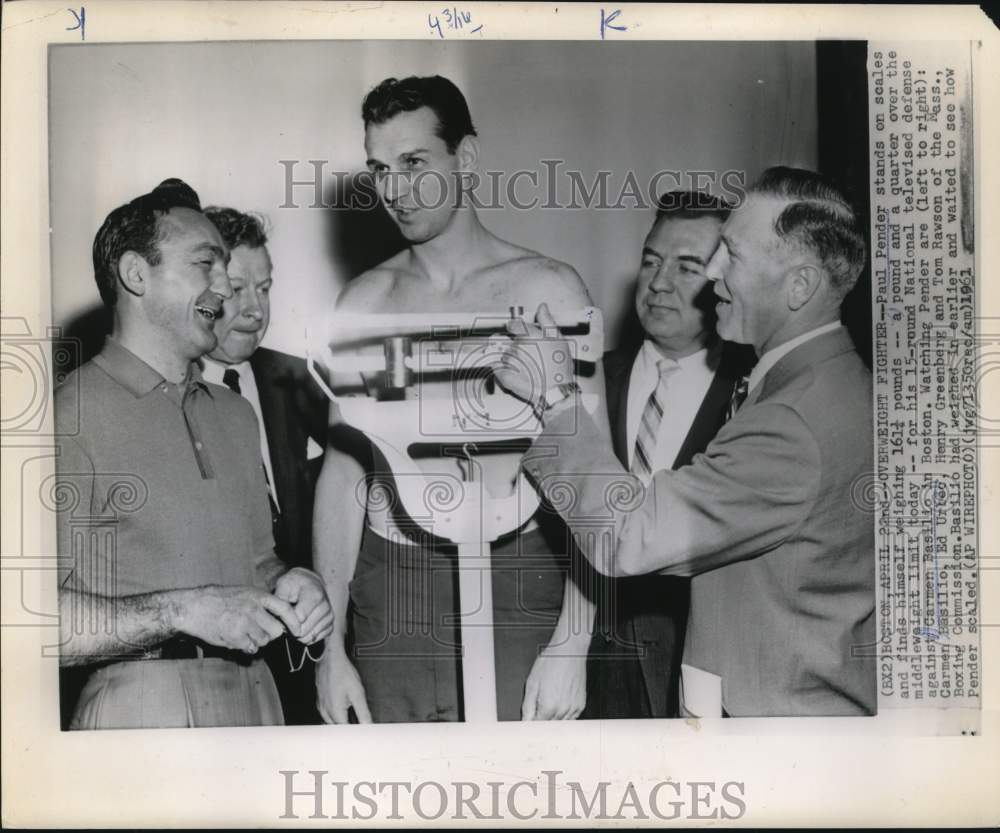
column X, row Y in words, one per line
column 231, row 379
column 665, row 367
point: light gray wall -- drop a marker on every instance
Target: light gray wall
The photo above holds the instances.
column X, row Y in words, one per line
column 221, row 115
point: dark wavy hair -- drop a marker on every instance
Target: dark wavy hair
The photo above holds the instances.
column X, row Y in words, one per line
column 691, row 205
column 238, row 228
column 135, row 227
column 818, row 219
column 392, row 97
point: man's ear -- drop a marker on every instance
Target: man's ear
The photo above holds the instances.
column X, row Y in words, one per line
column 468, row 153
column 133, row 273
column 804, row 280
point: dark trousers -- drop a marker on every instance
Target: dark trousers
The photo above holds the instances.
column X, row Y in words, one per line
column 295, row 676
column 404, row 637
column 633, row 669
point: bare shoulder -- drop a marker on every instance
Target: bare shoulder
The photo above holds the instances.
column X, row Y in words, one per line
column 538, row 278
column 368, row 291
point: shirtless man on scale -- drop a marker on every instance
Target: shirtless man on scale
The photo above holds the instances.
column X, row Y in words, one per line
column 394, row 659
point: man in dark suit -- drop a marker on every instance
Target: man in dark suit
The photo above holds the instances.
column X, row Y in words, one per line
column 291, row 413
column 766, row 520
column 634, row 665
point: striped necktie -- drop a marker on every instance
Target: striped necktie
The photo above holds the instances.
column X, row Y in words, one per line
column 739, row 396
column 652, row 416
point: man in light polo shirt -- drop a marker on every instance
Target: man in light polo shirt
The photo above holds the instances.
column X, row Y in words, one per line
column 168, row 535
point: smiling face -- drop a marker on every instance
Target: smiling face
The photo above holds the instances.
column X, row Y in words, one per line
column 414, row 172
column 185, row 290
column 671, row 287
column 246, row 315
column 750, row 269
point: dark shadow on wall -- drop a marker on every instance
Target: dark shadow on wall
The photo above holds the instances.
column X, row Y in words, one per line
column 83, row 336
column 359, row 234
column 842, row 105
column 80, row 339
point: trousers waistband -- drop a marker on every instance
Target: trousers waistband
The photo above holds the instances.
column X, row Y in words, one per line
column 378, row 525
column 182, row 647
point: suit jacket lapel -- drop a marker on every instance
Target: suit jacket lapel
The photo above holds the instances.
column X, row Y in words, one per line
column 710, row 415
column 274, row 404
column 617, row 378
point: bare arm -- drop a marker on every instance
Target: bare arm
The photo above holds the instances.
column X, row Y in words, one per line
column 556, row 688
column 561, row 289
column 338, row 523
column 576, row 621
column 94, row 628
column 126, row 625
column 564, row 292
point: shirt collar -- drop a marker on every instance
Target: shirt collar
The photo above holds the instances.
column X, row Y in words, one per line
column 706, row 357
column 133, row 374
column 214, row 370
column 772, row 357
column 194, row 377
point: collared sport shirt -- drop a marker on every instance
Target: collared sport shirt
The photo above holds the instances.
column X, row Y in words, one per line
column 162, row 487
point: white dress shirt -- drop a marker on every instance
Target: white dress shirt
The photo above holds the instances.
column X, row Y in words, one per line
column 686, row 388
column 213, row 372
column 771, row 357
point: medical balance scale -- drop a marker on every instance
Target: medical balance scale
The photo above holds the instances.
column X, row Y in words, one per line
column 401, row 352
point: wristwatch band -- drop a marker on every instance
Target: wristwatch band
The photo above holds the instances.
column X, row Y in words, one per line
column 553, row 396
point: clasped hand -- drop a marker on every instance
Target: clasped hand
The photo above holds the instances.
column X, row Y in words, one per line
column 246, row 618
column 304, row 591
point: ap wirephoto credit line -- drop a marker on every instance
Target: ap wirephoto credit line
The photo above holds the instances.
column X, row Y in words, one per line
column 927, row 368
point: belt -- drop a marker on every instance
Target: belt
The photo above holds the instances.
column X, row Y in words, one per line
column 382, row 525
column 181, row 647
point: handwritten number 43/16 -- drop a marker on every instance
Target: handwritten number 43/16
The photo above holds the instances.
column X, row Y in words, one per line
column 454, row 18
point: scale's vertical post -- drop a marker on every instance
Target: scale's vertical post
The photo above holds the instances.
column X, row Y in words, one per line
column 475, row 588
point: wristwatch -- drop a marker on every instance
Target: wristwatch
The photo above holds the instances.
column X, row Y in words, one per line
column 553, row 396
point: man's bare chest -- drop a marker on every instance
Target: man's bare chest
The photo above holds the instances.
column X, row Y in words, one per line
column 488, row 293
